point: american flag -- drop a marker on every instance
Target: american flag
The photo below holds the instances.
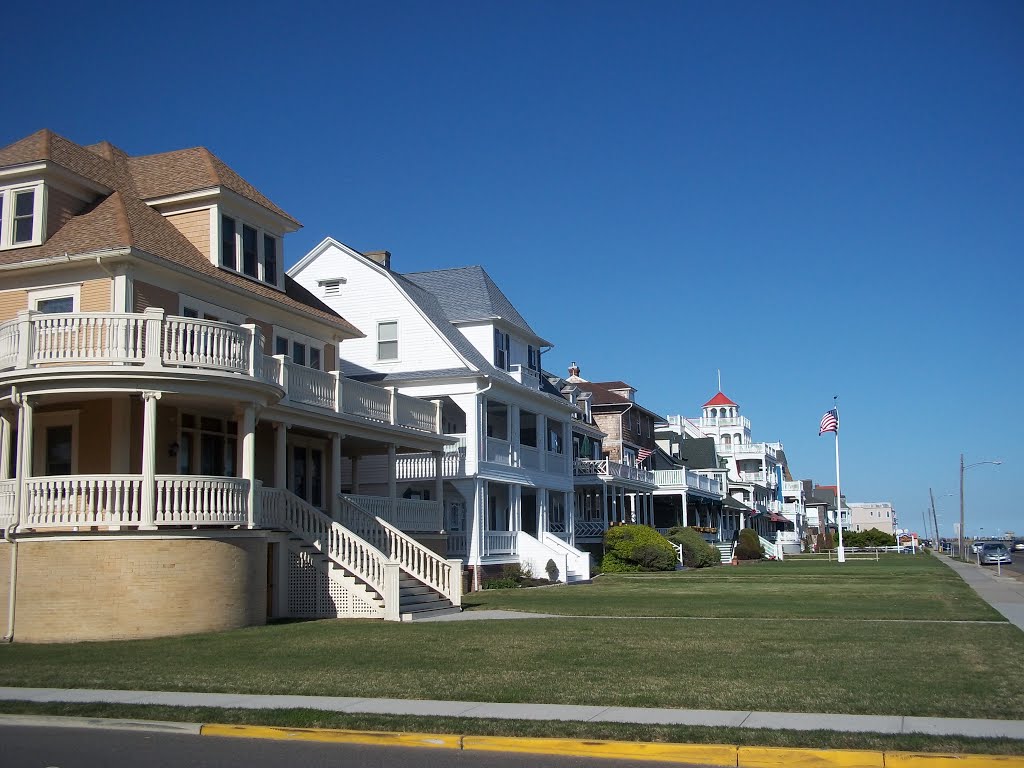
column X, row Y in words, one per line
column 642, row 454
column 829, row 422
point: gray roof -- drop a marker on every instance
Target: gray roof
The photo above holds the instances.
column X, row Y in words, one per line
column 466, row 294
column 428, row 302
column 431, row 307
column 698, row 453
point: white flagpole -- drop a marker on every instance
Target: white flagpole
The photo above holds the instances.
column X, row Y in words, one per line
column 839, row 495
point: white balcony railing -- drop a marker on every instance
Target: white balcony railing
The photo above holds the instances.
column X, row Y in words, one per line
column 500, row 542
column 606, row 468
column 405, row 514
column 152, row 340
column 685, row 478
column 499, row 451
column 6, row 503
column 525, row 376
column 83, row 501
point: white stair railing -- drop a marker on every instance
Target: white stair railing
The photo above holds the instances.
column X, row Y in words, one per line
column 283, row 509
column 577, row 559
column 769, row 547
column 441, row 575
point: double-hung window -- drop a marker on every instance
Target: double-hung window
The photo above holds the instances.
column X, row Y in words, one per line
column 387, row 340
column 21, row 216
column 250, row 250
column 501, row 350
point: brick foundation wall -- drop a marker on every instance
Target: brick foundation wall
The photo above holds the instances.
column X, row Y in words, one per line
column 136, row 587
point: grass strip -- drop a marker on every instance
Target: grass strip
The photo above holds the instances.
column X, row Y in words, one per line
column 677, row 734
column 896, row 587
column 943, row 670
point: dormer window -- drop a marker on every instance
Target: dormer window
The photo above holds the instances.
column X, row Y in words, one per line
column 247, row 249
column 21, row 216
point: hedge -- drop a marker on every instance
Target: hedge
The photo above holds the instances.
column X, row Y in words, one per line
column 630, row 548
column 749, row 546
column 697, row 553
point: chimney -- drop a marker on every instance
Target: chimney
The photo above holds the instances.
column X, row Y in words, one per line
column 574, row 370
column 381, row 257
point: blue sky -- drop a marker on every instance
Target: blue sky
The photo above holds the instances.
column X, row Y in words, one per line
column 816, row 198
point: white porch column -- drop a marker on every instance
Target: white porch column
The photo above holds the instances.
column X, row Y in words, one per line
column 515, row 503
column 335, row 491
column 355, row 475
column 475, row 534
column 6, row 428
column 543, row 511
column 247, row 428
column 439, row 483
column 24, row 469
column 280, row 455
column 604, row 506
column 148, row 512
column 392, row 476
column 686, row 509
column 513, row 436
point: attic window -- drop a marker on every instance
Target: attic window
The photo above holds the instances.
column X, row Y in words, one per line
column 248, row 249
column 21, row 216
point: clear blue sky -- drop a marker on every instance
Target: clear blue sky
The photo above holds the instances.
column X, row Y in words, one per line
column 816, row 198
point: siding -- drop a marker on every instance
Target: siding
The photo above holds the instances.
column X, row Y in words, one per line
column 96, row 295
column 11, row 303
column 60, row 207
column 147, row 295
column 195, row 226
column 268, row 334
column 366, row 298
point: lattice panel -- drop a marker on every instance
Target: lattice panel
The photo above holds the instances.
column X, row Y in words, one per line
column 314, row 594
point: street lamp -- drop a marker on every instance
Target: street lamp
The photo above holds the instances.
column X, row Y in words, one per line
column 962, row 468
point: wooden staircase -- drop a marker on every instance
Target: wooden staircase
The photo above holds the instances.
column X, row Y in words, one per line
column 389, row 573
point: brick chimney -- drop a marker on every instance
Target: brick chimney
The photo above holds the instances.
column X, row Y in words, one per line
column 574, row 370
column 381, row 257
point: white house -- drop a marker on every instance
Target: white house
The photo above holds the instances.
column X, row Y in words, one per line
column 452, row 336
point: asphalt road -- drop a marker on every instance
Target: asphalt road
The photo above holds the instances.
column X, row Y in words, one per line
column 46, row 747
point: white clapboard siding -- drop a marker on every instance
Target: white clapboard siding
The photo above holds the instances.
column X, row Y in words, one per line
column 365, row 298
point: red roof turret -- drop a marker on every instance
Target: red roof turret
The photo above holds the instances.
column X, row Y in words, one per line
column 719, row 399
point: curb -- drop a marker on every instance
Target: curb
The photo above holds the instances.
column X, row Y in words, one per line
column 726, row 755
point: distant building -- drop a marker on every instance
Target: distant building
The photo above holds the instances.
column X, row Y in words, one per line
column 865, row 515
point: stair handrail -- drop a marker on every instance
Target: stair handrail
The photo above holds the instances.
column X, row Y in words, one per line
column 441, row 575
column 581, row 558
column 282, row 508
column 768, row 547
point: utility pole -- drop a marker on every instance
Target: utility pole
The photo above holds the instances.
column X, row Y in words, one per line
column 960, row 553
column 935, row 520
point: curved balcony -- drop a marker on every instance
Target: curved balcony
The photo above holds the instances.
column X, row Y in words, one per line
column 152, row 342
column 116, row 501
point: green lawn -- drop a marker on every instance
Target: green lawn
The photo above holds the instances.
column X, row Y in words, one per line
column 944, row 668
column 895, row 587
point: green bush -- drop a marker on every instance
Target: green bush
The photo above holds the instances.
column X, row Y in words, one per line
column 697, row 553
column 552, row 570
column 869, row 538
column 749, row 546
column 629, row 548
column 513, row 576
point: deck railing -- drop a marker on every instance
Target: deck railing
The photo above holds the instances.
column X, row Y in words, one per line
column 500, row 542
column 154, row 341
column 83, row 501
column 405, row 514
column 583, row 467
column 6, row 503
column 285, row 510
column 438, row 573
column 191, row 500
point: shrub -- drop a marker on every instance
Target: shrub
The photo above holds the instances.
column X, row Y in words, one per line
column 749, row 546
column 552, row 570
column 697, row 553
column 513, row 576
column 629, row 548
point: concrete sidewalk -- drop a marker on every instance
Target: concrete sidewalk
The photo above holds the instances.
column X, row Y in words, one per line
column 1004, row 593
column 890, row 724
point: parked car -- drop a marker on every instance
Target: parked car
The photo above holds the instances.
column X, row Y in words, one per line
column 994, row 553
column 1018, row 545
column 976, row 547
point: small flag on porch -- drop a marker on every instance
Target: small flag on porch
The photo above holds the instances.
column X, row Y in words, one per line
column 829, row 422
column 642, row 454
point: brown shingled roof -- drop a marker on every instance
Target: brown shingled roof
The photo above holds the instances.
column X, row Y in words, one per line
column 123, row 220
column 189, row 170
